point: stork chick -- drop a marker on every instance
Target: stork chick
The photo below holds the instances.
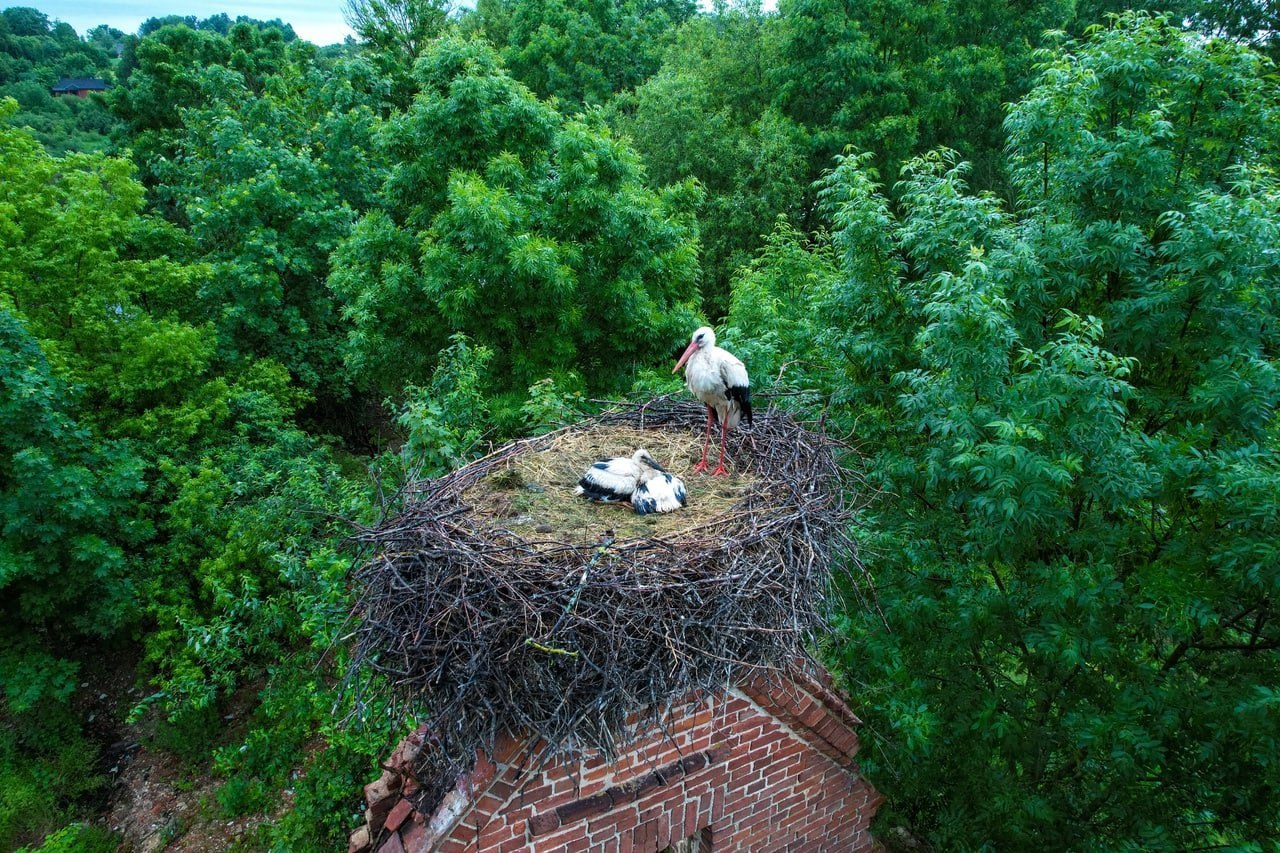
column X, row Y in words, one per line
column 637, row 479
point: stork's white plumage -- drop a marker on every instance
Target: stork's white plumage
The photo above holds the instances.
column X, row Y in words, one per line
column 627, row 478
column 720, row 381
column 662, row 493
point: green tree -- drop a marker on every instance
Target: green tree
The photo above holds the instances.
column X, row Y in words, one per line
column 1070, row 416
column 263, row 210
column 175, row 68
column 898, row 78
column 34, row 55
column 86, row 300
column 532, row 234
column 262, row 168
column 580, row 52
column 67, row 503
column 707, row 115
column 24, row 21
column 394, row 33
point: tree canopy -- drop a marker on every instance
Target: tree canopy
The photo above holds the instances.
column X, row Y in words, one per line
column 1070, row 412
column 532, row 233
column 1020, row 256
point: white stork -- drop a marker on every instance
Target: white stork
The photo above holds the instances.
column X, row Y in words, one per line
column 637, row 479
column 719, row 380
column 662, row 493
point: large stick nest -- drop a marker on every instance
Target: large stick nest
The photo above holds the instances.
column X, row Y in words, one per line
column 495, row 599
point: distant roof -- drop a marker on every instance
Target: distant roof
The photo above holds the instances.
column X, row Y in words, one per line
column 77, row 84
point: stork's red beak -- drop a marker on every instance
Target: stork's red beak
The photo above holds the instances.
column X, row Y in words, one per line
column 688, row 351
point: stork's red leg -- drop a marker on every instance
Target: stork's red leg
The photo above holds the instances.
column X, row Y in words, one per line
column 706, row 444
column 720, row 469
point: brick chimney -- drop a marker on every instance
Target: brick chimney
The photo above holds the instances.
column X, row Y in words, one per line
column 768, row 765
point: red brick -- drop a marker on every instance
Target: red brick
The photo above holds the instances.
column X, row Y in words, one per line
column 785, row 802
column 501, row 830
column 625, row 793
column 786, row 774
column 717, row 805
column 376, row 814
column 622, row 820
column 844, row 739
column 406, row 753
column 392, row 844
column 831, row 726
column 690, row 824
column 812, row 717
column 645, row 836
column 503, row 786
column 535, row 794
column 717, row 777
column 693, row 763
column 647, row 784
column 704, row 808
column 483, row 771
column 377, row 791
column 671, row 773
column 397, row 815
column 487, row 806
column 587, row 807
column 414, row 837
column 544, row 823
column 662, row 833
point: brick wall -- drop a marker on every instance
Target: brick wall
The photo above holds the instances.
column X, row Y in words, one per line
column 768, row 766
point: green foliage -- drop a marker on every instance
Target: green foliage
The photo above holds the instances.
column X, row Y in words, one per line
column 259, row 154
column 1070, row 416
column 394, row 33
column 34, row 56
column 66, row 504
column 304, row 741
column 264, row 212
column 706, row 115
column 532, row 235
column 78, row 838
column 1066, row 394
column 177, row 67
column 46, row 769
column 157, row 493
column 898, row 78
column 106, row 307
column 580, row 52
column 444, row 422
column 772, row 322
column 553, row 403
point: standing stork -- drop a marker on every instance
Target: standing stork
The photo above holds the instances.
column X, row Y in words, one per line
column 720, row 381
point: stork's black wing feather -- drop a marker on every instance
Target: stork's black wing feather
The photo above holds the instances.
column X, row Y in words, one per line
column 741, row 394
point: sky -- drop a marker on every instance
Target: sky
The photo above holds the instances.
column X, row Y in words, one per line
column 318, row 21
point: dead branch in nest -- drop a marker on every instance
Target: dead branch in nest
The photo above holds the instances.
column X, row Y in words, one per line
column 482, row 629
